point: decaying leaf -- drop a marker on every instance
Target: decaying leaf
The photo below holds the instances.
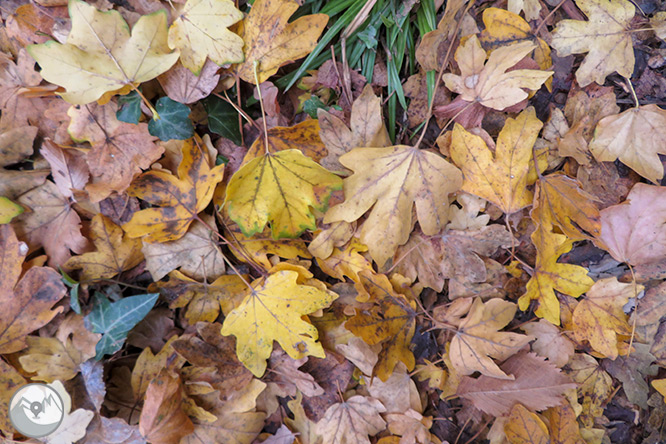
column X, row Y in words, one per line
column 489, row 83
column 478, row 339
column 390, row 182
column 605, row 37
column 524, row 426
column 270, row 41
column 102, row 56
column 181, row 198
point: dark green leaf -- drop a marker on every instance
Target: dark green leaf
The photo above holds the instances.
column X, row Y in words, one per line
column 223, row 119
column 115, row 319
column 311, row 106
column 174, row 121
column 130, row 108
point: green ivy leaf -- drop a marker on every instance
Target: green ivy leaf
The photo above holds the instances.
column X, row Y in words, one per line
column 130, row 108
column 311, row 106
column 115, row 319
column 174, row 121
column 223, row 119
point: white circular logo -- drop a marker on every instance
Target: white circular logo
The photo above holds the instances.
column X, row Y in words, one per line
column 36, row 410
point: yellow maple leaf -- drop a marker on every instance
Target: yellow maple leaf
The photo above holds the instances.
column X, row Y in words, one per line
column 100, row 54
column 594, row 385
column 636, row 137
column 550, row 275
column 180, row 198
column 500, row 177
column 390, row 322
column 660, row 386
column 605, row 37
column 346, row 261
column 279, row 188
column 478, row 339
column 392, row 181
column 115, row 252
column 200, row 30
column 490, row 84
column 524, row 426
column 274, row 310
column 600, row 317
column 272, row 41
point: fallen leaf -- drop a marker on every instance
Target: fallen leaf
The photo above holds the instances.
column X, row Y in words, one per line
column 200, row 31
column 273, row 310
column 27, row 303
column 51, row 359
column 241, row 428
column 271, row 41
column 500, row 177
column 100, row 54
column 390, row 322
column 182, row 86
column 10, row 381
column 632, row 371
column 197, row 254
column 398, row 393
column 52, row 223
column 163, row 420
column 508, row 28
column 525, row 427
column 351, row 421
column 452, row 255
column 594, row 386
column 68, row 167
column 72, row 428
column 562, row 425
column 8, row 210
column 392, row 181
column 279, row 188
column 366, row 129
column 478, row 339
column 180, row 198
column 411, row 426
column 550, row 275
column 537, row 385
column 120, row 150
column 550, row 342
column 490, row 84
column 633, row 231
column 18, row 110
column 346, row 262
column 115, row 253
column 605, row 37
column 636, row 137
column 303, row 136
column 600, row 318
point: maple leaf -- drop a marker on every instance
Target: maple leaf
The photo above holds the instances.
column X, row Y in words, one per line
column 478, row 339
column 196, row 254
column 100, row 54
column 636, row 137
column 203, row 300
column 508, row 28
column 605, row 37
column 411, row 425
column 51, row 359
column 391, row 323
column 120, row 150
column 524, row 426
column 351, row 421
column 180, row 198
column 182, row 86
column 279, row 188
column 600, row 318
column 271, row 41
column 633, row 231
column 452, row 255
column 26, row 303
column 346, row 262
column 594, row 384
column 273, row 310
column 392, row 181
column 52, row 223
column 259, row 247
column 162, row 418
column 536, row 384
column 564, row 204
column 200, row 30
column 68, row 168
column 500, row 177
column 115, row 251
column 366, row 129
column 550, row 342
column 303, row 136
column 491, row 85
column 17, row 109
column 562, row 425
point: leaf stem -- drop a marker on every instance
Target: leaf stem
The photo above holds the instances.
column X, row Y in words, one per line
column 150, row 106
column 633, row 92
column 261, row 104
